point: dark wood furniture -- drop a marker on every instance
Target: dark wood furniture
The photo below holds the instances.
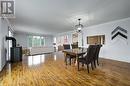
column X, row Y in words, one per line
column 88, row 58
column 66, row 46
column 60, row 48
column 68, row 56
column 96, row 57
column 74, row 52
column 74, row 46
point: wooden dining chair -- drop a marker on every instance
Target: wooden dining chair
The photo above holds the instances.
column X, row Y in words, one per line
column 88, row 58
column 66, row 46
column 96, row 57
column 68, row 56
column 74, row 46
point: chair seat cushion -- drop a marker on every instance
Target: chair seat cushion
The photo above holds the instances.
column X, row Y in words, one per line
column 82, row 60
column 71, row 56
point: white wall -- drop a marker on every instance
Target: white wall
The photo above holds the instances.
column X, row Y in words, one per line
column 49, row 41
column 63, row 34
column 0, row 43
column 3, row 43
column 21, row 39
column 117, row 49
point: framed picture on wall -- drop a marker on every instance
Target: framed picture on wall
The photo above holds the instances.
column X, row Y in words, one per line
column 75, row 38
column 96, row 39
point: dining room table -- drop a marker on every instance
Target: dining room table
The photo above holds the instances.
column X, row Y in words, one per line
column 78, row 52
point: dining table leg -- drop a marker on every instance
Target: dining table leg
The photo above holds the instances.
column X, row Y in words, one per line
column 76, row 59
column 65, row 56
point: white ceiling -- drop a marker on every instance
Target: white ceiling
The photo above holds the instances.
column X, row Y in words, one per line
column 55, row 16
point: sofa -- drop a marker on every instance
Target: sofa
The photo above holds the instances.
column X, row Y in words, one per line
column 41, row 50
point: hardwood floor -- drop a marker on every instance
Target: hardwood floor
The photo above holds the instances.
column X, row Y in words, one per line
column 50, row 70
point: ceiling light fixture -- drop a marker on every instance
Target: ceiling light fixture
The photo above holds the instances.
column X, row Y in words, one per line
column 79, row 26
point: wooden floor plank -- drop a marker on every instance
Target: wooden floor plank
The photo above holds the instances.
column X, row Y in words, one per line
column 50, row 70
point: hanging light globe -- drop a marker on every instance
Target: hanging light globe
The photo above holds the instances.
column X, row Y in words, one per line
column 79, row 26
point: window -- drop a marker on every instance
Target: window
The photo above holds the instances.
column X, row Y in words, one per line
column 36, row 41
column 63, row 40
